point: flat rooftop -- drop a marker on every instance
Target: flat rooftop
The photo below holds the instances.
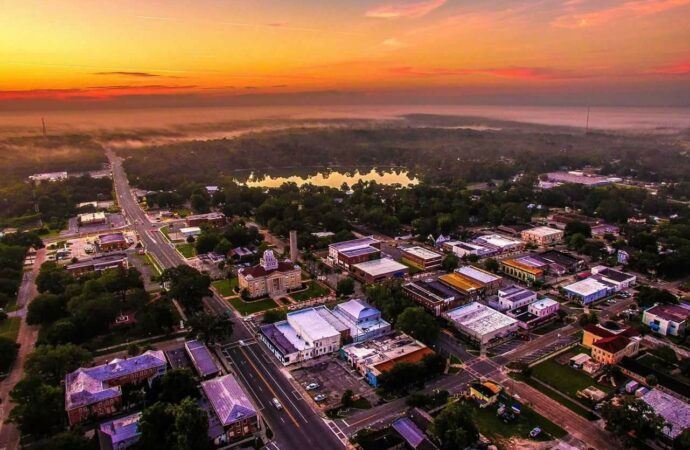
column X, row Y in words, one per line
column 674, row 411
column 359, row 251
column 381, row 266
column 421, row 252
column 480, row 319
column 311, row 322
column 362, row 242
column 544, row 303
column 478, row 274
column 201, row 358
column 432, row 290
column 543, row 231
column 586, row 287
column 519, row 265
column 497, row 240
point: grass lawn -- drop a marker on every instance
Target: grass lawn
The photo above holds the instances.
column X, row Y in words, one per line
column 564, row 378
column 361, row 403
column 9, row 327
column 251, row 307
column 574, row 407
column 187, row 249
column 493, row 426
column 314, row 289
column 455, row 360
column 226, row 287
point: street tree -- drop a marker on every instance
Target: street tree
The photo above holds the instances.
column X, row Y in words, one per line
column 210, row 328
column 51, row 363
column 187, row 285
column 454, row 427
column 419, row 324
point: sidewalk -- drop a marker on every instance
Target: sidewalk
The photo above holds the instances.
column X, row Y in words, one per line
column 9, row 435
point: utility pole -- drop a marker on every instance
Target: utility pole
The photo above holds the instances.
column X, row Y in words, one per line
column 43, row 121
column 587, row 124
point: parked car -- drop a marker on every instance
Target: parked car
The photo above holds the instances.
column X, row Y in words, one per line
column 536, row 431
column 312, row 386
column 276, row 403
column 320, row 398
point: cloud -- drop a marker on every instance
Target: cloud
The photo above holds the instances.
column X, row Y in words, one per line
column 521, row 73
column 129, row 74
column 396, row 11
column 91, row 92
column 635, row 8
column 682, row 68
column 394, row 44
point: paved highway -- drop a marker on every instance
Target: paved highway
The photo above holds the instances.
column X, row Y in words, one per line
column 296, row 426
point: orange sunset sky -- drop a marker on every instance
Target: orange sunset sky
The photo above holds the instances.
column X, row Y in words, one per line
column 196, row 51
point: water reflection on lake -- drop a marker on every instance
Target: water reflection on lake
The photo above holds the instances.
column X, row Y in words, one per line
column 335, row 179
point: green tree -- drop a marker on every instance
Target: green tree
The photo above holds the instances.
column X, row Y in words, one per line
column 347, row 398
column 67, row 440
column 8, row 353
column 649, row 296
column 38, row 407
column 187, row 285
column 491, row 265
column 210, row 328
column 274, row 315
column 576, row 227
column 191, row 427
column 53, row 278
column 176, row 385
column 46, row 308
column 454, row 427
column 346, row 286
column 419, row 324
column 51, row 363
column 450, row 262
column 632, row 414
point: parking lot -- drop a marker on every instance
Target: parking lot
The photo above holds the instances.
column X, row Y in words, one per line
column 506, row 347
column 547, row 350
column 333, row 379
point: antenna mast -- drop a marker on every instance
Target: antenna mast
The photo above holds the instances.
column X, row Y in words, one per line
column 587, row 124
column 43, row 121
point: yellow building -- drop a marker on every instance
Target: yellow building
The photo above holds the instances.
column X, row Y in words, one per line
column 521, row 271
column 485, row 393
column 610, row 346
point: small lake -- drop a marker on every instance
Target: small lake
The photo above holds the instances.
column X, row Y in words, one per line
column 335, row 179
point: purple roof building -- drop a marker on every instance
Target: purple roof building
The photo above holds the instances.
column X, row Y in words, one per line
column 95, row 391
column 232, row 407
column 120, row 433
column 202, row 359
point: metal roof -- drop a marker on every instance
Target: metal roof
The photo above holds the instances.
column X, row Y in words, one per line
column 228, row 400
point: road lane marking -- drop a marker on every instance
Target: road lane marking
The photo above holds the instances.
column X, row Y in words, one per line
column 276, row 382
column 256, row 369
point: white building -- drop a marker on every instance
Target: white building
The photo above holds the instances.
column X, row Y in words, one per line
column 514, row 296
column 378, row 269
column 190, row 232
column 619, row 280
column 544, row 307
column 499, row 244
column 481, row 323
column 462, row 249
column 313, row 332
column 587, row 290
column 363, row 320
column 667, row 319
column 39, row 178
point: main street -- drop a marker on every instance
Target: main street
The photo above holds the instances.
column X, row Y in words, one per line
column 296, row 425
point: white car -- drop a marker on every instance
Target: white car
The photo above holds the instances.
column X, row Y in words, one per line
column 276, row 403
column 320, row 398
column 312, row 386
